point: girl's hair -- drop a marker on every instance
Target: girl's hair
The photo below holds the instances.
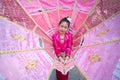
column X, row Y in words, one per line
column 65, row 20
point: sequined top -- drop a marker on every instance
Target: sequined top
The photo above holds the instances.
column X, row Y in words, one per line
column 64, row 47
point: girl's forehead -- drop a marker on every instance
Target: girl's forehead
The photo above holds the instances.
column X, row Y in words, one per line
column 64, row 23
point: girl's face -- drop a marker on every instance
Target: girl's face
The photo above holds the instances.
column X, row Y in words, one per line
column 63, row 28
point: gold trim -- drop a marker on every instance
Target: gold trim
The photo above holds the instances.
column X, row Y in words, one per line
column 31, row 18
column 94, row 58
column 102, row 32
column 26, row 50
column 34, row 49
column 29, row 1
column 45, row 14
column 58, row 8
column 91, row 11
column 32, row 64
column 74, row 8
column 34, row 29
column 18, row 37
column 102, row 43
column 86, row 27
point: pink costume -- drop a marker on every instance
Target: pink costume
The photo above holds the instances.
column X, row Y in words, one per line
column 62, row 47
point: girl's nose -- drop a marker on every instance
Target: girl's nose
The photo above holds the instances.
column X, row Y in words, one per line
column 63, row 28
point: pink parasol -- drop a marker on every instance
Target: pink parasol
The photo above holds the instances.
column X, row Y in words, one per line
column 41, row 17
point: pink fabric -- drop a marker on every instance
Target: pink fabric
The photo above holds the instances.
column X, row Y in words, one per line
column 64, row 68
column 15, row 63
column 109, row 53
column 62, row 47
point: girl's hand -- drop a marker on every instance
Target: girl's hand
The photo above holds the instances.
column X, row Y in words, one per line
column 61, row 59
column 67, row 58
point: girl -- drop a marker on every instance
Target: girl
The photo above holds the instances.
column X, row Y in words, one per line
column 62, row 42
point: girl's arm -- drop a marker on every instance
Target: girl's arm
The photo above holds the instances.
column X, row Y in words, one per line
column 56, row 46
column 69, row 46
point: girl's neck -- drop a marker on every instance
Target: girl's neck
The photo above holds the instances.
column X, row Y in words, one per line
column 62, row 36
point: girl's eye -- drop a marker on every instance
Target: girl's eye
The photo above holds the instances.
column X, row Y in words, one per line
column 65, row 27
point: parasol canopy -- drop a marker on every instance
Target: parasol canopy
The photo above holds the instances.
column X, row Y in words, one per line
column 26, row 26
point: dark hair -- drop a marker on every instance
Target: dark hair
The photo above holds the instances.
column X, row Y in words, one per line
column 65, row 20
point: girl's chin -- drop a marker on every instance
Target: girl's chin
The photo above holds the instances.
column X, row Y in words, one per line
column 62, row 32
